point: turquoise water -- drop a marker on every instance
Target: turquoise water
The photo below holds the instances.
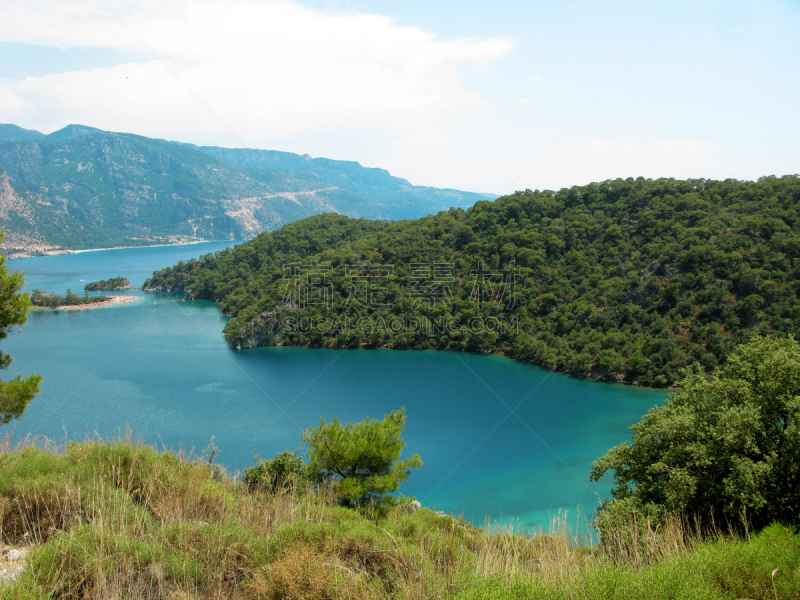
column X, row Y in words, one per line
column 499, row 439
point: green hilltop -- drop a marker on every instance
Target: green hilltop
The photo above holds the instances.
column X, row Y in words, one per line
column 624, row 280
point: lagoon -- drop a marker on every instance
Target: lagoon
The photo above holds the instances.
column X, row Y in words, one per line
column 500, row 439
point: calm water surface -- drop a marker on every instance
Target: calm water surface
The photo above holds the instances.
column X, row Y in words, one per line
column 499, row 439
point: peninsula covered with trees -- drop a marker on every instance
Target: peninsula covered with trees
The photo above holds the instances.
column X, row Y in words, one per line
column 625, row 280
column 44, row 299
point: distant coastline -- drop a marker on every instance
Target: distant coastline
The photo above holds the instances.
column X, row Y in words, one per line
column 147, row 246
column 62, row 251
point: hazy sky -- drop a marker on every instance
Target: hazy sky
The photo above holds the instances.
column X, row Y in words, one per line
column 482, row 96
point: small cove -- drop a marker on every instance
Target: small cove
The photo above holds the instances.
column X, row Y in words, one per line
column 499, row 439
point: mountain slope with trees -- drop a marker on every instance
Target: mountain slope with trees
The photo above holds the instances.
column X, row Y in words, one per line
column 625, row 280
column 81, row 187
column 130, row 186
column 396, row 198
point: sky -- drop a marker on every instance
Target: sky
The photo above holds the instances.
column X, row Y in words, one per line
column 480, row 96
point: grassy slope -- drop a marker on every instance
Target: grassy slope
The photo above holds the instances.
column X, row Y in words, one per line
column 125, row 521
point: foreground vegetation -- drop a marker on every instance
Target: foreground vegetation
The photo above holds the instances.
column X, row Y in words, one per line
column 719, row 448
column 122, row 520
column 627, row 280
column 18, row 392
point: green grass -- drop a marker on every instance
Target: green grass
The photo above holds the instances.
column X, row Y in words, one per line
column 720, row 569
column 122, row 520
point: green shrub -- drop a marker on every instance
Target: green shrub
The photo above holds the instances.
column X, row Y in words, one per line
column 286, row 471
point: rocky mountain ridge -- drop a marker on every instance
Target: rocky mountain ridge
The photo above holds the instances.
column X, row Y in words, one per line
column 81, row 187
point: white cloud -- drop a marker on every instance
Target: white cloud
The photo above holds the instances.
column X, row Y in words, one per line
column 283, row 76
column 276, row 74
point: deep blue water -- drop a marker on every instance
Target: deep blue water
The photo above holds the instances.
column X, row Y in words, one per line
column 162, row 367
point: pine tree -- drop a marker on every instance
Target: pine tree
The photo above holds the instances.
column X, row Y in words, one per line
column 18, row 392
column 363, row 458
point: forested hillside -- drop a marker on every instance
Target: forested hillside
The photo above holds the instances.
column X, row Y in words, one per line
column 81, row 187
column 627, row 280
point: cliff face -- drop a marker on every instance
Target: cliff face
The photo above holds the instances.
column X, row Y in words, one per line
column 267, row 329
column 19, row 213
column 9, row 200
column 11, row 203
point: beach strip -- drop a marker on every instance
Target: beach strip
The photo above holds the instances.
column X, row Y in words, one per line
column 109, row 302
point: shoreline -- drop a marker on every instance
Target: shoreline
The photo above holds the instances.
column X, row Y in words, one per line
column 127, row 299
column 64, row 251
column 134, row 247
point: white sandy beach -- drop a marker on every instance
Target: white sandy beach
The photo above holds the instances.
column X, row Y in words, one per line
column 109, row 302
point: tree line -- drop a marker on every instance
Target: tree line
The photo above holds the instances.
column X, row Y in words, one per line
column 45, row 299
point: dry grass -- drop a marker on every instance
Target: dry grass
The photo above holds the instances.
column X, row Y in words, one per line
column 641, row 543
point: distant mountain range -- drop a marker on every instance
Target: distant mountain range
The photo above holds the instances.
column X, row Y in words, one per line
column 82, row 187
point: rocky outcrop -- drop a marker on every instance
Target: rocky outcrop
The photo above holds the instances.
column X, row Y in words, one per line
column 267, row 329
column 8, row 199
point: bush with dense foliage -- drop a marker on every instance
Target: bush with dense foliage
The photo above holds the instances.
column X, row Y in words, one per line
column 619, row 280
column 284, row 472
column 725, row 448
